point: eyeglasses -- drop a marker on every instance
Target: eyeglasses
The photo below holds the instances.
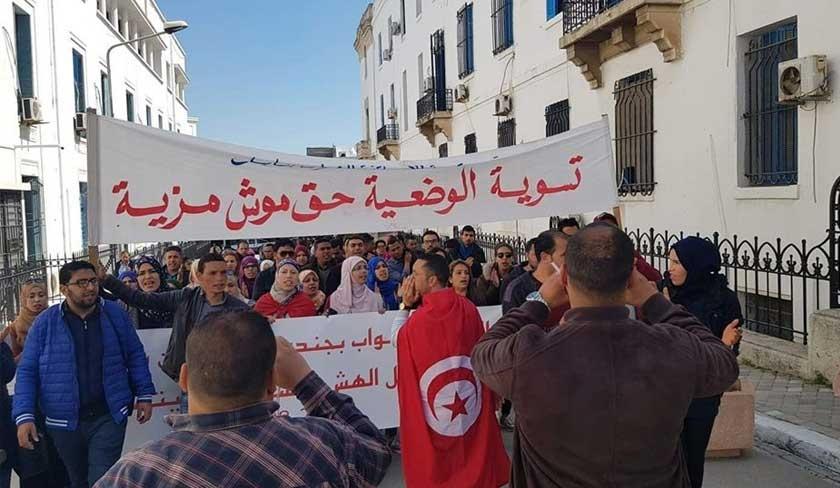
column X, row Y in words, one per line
column 503, row 255
column 85, row 283
column 285, row 254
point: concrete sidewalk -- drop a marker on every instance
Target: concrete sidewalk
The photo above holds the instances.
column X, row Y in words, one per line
column 797, row 416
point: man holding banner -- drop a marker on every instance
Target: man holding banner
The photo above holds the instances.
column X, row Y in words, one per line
column 449, row 434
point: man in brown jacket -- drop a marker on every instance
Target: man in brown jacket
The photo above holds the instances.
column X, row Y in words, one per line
column 601, row 398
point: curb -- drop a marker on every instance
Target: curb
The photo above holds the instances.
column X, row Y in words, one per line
column 816, row 448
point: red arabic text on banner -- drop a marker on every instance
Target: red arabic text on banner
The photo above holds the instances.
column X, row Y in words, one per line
column 148, row 185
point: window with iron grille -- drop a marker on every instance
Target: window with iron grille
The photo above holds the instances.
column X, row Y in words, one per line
column 557, row 118
column 502, row 19
column 466, row 61
column 11, row 229
column 443, row 150
column 768, row 315
column 634, row 134
column 507, row 133
column 770, row 145
column 470, row 144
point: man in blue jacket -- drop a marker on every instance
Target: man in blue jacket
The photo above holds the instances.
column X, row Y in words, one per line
column 83, row 365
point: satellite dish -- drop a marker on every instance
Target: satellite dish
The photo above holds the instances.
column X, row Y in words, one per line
column 791, row 81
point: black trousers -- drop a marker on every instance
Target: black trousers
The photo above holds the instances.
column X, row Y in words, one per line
column 695, row 439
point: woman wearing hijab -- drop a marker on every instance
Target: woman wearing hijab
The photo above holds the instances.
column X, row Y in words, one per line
column 379, row 280
column 232, row 288
column 33, row 301
column 301, row 255
column 285, row 298
column 129, row 279
column 249, row 268
column 353, row 295
column 149, row 273
column 693, row 281
column 311, row 286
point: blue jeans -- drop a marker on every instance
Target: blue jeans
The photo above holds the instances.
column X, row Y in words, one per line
column 90, row 450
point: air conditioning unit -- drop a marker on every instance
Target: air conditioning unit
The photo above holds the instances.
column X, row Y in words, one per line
column 80, row 123
column 429, row 84
column 504, row 104
column 803, row 79
column 462, row 93
column 392, row 113
column 30, row 111
column 396, row 28
column 386, row 54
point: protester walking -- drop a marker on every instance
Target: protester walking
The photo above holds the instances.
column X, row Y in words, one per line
column 248, row 270
column 84, row 365
column 380, row 281
column 285, row 299
column 449, row 435
column 353, row 295
column 33, row 301
column 233, row 436
column 460, row 280
column 612, row 409
column 693, row 281
column 470, row 252
column 149, row 273
column 265, row 279
column 311, row 287
column 489, row 284
column 174, row 274
column 188, row 307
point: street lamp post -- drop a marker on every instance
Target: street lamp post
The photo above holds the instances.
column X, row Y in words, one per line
column 170, row 27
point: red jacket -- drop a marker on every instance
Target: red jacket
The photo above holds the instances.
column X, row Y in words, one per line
column 647, row 270
column 299, row 306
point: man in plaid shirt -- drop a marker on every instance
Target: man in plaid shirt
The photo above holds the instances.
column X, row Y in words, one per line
column 233, row 436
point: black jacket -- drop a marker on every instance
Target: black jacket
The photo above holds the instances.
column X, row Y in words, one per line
column 716, row 306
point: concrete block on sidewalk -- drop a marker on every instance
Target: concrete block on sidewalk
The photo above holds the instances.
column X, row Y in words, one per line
column 735, row 424
column 811, row 446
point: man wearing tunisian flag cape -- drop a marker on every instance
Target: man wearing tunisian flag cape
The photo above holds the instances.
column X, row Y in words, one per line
column 448, row 429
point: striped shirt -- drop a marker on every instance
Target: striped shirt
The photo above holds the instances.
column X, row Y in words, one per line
column 335, row 446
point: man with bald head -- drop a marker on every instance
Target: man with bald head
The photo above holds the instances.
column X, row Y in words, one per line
column 601, row 398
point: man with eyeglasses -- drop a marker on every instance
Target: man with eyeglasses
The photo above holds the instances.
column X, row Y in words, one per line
column 84, row 366
column 431, row 240
column 285, row 250
column 489, row 284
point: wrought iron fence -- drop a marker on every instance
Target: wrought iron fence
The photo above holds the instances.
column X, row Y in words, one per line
column 834, row 244
column 45, row 270
column 576, row 13
column 779, row 284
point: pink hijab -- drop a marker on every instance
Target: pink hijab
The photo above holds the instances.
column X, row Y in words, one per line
column 352, row 297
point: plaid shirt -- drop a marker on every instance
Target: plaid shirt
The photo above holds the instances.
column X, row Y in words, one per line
column 336, row 445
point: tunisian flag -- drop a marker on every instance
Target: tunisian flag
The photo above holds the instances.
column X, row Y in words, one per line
column 448, row 430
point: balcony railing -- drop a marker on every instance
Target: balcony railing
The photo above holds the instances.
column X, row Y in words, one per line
column 388, row 132
column 576, row 13
column 434, row 101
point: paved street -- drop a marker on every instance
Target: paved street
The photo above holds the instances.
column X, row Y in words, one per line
column 764, row 467
column 796, row 401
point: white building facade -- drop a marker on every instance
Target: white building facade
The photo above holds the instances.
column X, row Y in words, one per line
column 55, row 58
column 691, row 89
column 717, row 153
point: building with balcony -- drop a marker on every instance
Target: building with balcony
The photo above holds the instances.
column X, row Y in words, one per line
column 718, row 153
column 55, row 68
column 708, row 134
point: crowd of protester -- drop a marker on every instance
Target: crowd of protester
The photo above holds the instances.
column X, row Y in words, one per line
column 589, row 383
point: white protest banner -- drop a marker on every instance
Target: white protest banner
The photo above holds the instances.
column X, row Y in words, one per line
column 352, row 353
column 148, row 185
